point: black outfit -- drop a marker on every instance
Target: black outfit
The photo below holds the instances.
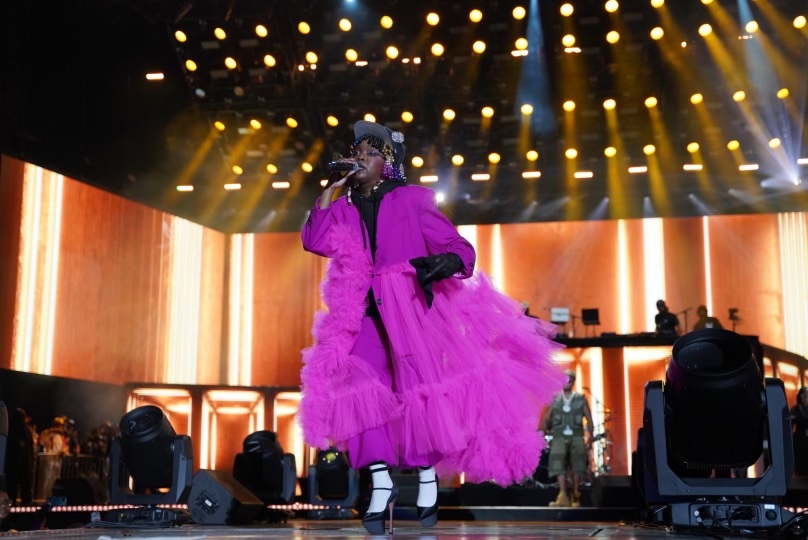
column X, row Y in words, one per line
column 19, row 459
column 429, row 269
column 799, row 419
column 369, row 212
column 666, row 323
column 707, row 322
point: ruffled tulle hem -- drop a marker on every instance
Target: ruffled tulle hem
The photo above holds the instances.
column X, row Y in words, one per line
column 475, row 406
column 341, row 396
column 360, row 407
column 483, row 423
column 470, row 374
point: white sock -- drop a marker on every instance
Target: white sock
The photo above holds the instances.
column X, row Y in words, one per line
column 381, row 479
column 427, row 493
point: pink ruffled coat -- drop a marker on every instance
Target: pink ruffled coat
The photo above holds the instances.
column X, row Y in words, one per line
column 470, row 374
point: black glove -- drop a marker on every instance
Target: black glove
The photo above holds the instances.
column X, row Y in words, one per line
column 435, row 268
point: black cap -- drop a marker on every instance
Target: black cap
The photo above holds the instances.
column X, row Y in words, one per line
column 393, row 139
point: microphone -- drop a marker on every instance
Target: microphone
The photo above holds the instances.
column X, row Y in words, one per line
column 342, row 166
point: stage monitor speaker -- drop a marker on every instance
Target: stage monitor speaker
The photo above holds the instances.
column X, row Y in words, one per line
column 217, row 498
column 613, row 492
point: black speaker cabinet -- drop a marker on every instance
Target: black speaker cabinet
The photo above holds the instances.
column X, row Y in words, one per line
column 219, row 499
column 613, row 492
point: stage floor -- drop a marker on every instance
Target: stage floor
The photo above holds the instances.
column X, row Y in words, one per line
column 297, row 529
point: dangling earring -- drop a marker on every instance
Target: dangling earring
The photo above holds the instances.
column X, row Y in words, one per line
column 388, row 171
column 349, row 195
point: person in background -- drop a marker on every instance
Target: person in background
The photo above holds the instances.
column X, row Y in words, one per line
column 5, row 513
column 20, row 458
column 799, row 421
column 667, row 324
column 568, row 453
column 704, row 320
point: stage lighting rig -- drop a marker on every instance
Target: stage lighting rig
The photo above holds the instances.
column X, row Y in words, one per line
column 714, row 415
column 333, row 483
column 264, row 469
column 150, row 464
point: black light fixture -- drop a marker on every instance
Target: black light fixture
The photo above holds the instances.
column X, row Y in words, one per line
column 264, row 468
column 150, row 463
column 715, row 414
column 333, row 483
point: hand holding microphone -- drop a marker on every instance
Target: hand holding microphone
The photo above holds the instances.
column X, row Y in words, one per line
column 342, row 166
column 340, row 171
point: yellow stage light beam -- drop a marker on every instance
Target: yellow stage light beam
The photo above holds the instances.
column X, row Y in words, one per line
column 703, row 175
column 787, row 71
column 464, row 42
column 618, row 194
column 524, row 142
column 298, row 177
column 715, row 139
column 783, row 27
column 571, row 140
column 734, row 73
column 616, row 172
column 672, row 55
column 573, row 210
column 468, row 41
column 656, row 184
column 662, row 141
column 734, row 149
column 573, row 72
column 189, row 170
column 749, row 182
column 663, row 157
column 761, row 133
column 791, row 107
column 524, row 149
column 273, row 143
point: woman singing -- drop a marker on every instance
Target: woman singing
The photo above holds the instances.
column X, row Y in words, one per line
column 419, row 361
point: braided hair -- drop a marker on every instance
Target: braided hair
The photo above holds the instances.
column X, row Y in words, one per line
column 389, row 171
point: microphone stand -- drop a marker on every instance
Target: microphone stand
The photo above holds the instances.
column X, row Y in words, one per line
column 597, row 403
column 684, row 312
column 600, row 438
column 572, row 318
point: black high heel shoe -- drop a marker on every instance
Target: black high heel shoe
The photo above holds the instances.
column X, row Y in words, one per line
column 428, row 515
column 374, row 521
